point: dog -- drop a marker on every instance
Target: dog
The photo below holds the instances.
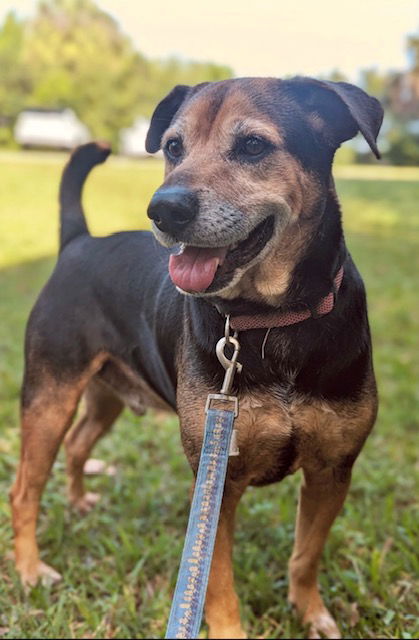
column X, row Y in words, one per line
column 248, row 226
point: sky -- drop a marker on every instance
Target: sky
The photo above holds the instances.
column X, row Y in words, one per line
column 267, row 37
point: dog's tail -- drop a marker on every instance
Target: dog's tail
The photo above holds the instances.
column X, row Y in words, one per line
column 72, row 219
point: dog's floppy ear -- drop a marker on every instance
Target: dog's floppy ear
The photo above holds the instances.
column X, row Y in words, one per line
column 163, row 116
column 343, row 109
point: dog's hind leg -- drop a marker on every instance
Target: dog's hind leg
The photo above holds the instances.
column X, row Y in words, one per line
column 101, row 410
column 321, row 498
column 48, row 407
column 222, row 605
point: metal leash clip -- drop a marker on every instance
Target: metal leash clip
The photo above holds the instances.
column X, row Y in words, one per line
column 231, row 366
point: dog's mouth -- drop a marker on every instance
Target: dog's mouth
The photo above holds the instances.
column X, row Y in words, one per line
column 207, row 269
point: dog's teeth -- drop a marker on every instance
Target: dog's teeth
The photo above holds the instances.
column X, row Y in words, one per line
column 180, row 249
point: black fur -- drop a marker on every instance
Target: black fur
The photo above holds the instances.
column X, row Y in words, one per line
column 73, row 222
column 163, row 115
column 114, row 294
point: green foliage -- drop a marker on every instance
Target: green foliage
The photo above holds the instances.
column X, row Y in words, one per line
column 79, row 58
column 119, row 563
column 15, row 81
column 74, row 54
column 403, row 145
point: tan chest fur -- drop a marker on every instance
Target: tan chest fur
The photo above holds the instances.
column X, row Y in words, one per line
column 277, row 436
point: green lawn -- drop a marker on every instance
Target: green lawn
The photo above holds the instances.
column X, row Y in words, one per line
column 119, row 563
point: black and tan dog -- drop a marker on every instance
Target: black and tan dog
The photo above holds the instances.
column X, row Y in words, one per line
column 250, row 199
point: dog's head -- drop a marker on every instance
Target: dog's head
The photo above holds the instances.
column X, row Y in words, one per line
column 248, row 165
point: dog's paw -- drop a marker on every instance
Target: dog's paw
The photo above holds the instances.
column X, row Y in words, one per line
column 321, row 624
column 86, row 502
column 40, row 573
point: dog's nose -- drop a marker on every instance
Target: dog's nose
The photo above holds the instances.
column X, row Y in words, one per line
column 173, row 208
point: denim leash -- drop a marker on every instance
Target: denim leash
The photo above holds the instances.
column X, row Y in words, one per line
column 219, row 443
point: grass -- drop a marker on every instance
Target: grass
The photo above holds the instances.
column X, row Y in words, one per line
column 119, row 563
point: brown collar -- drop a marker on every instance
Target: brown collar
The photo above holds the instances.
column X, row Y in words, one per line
column 285, row 318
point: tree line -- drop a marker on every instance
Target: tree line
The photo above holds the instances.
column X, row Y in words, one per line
column 73, row 54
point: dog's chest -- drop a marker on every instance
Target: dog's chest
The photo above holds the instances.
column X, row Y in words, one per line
column 266, row 436
column 266, row 439
column 278, row 435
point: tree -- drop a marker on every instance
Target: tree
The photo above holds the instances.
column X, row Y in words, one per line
column 15, row 78
column 79, row 58
column 73, row 54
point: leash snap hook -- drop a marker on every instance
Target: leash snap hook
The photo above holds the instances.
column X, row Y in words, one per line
column 230, row 366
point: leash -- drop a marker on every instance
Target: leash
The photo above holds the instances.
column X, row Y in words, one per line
column 219, row 443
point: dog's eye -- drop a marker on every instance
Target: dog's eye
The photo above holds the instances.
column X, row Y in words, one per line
column 174, row 148
column 251, row 149
column 254, row 146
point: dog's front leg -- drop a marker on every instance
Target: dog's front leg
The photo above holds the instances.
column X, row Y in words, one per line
column 321, row 498
column 222, row 605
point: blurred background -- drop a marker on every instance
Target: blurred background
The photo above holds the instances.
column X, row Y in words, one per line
column 72, row 70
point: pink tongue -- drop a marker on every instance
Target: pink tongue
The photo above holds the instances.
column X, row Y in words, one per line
column 194, row 269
